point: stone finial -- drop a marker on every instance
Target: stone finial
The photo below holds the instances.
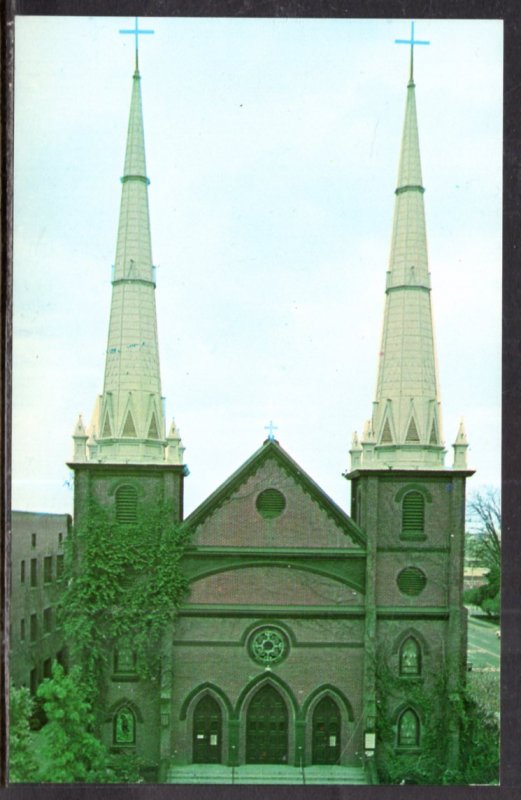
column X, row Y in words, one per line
column 79, row 437
column 175, row 449
column 355, row 452
column 460, row 447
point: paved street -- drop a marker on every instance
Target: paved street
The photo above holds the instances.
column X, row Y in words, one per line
column 483, row 645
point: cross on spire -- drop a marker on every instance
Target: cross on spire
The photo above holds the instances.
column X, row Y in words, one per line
column 136, row 31
column 412, row 41
column 270, row 428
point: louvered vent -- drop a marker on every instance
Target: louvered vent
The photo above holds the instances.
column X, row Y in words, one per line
column 271, row 503
column 126, row 504
column 411, row 581
column 413, row 513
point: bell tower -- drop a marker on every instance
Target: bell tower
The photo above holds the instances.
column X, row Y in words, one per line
column 409, row 504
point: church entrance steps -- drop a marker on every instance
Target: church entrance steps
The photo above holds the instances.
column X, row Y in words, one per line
column 266, row 774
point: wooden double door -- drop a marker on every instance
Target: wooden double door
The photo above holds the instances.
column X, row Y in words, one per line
column 266, row 730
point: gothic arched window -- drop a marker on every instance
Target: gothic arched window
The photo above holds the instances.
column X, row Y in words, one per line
column 413, row 513
column 124, row 727
column 408, row 729
column 126, row 504
column 125, row 661
column 410, row 657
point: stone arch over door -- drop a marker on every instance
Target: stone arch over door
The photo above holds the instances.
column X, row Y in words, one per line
column 189, row 711
column 273, row 687
column 347, row 747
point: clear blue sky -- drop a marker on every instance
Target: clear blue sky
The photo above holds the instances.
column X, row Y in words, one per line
column 272, row 149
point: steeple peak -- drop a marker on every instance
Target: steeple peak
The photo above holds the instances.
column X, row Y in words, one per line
column 405, row 428
column 128, row 424
column 412, row 42
column 136, row 31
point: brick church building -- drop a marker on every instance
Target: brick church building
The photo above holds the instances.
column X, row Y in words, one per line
column 296, row 608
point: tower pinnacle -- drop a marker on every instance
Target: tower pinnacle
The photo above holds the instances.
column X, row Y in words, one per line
column 405, row 428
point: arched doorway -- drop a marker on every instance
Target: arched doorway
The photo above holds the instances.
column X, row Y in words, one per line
column 207, row 732
column 326, row 732
column 267, row 728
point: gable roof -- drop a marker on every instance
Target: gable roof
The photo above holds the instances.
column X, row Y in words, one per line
column 271, row 449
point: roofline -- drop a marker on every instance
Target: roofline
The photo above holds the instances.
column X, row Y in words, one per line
column 110, row 465
column 404, row 473
column 42, row 513
column 271, row 446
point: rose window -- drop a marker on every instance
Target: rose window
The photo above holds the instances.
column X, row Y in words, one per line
column 268, row 646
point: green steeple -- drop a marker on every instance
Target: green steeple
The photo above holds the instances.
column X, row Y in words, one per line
column 405, row 428
column 128, row 424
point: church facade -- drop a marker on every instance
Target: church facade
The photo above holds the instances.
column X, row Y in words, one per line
column 297, row 611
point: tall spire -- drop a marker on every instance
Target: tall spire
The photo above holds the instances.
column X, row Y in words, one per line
column 405, row 428
column 128, row 424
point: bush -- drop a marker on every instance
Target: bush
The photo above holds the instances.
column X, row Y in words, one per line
column 22, row 767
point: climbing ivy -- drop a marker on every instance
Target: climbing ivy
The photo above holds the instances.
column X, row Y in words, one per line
column 478, row 732
column 123, row 586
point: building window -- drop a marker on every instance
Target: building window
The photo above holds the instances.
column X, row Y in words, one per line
column 270, row 503
column 61, row 658
column 410, row 657
column 268, row 646
column 47, row 620
column 22, row 630
column 413, row 514
column 33, row 628
column 126, row 504
column 33, row 540
column 60, row 538
column 47, row 569
column 124, row 661
column 47, row 668
column 22, row 571
column 408, row 729
column 34, row 571
column 59, row 567
column 124, row 727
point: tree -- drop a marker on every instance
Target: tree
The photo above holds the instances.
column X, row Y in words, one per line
column 485, row 530
column 22, row 766
column 69, row 750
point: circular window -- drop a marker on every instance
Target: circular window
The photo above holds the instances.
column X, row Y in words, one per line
column 268, row 646
column 411, row 581
column 271, row 503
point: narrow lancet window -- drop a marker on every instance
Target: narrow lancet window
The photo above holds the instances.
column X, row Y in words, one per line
column 124, row 727
column 410, row 657
column 408, row 729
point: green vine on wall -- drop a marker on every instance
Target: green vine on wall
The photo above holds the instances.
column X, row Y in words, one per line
column 478, row 760
column 123, row 585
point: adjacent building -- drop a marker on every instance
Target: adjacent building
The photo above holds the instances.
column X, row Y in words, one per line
column 37, row 561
